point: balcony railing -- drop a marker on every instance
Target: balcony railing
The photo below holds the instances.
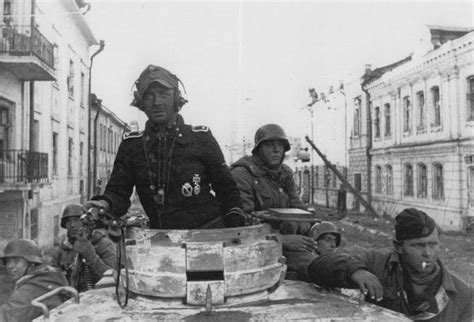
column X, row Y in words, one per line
column 22, row 166
column 25, row 40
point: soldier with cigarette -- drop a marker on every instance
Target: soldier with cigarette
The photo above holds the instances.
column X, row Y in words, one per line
column 411, row 279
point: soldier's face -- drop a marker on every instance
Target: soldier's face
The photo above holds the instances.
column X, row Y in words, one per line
column 17, row 267
column 326, row 243
column 415, row 252
column 159, row 104
column 75, row 227
column 272, row 151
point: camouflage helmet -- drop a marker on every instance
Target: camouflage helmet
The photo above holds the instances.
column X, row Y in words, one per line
column 23, row 248
column 73, row 210
column 324, row 227
column 270, row 132
column 156, row 74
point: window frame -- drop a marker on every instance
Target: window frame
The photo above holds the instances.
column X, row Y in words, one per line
column 422, row 181
column 388, row 179
column 438, row 181
column 408, row 181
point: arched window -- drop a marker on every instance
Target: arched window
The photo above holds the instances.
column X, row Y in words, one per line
column 470, row 98
column 436, row 105
column 378, row 179
column 420, row 102
column 377, row 122
column 408, row 182
column 406, row 114
column 388, row 179
column 357, row 103
column 388, row 130
column 422, row 181
column 438, row 185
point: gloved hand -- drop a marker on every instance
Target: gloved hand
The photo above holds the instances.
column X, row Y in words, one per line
column 298, row 243
column 368, row 283
column 98, row 204
column 84, row 247
column 235, row 217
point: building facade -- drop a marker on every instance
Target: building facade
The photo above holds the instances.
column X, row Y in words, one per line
column 44, row 74
column 106, row 133
column 422, row 124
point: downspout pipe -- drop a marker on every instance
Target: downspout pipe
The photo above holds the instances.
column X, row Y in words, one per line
column 89, row 173
column 98, row 104
column 369, row 144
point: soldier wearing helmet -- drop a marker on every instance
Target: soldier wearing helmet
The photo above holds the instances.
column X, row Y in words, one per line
column 84, row 254
column 326, row 236
column 266, row 182
column 33, row 278
column 171, row 164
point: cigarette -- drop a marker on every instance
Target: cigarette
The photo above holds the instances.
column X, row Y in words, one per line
column 423, row 265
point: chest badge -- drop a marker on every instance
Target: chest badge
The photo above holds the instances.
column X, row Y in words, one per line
column 187, row 190
column 197, row 183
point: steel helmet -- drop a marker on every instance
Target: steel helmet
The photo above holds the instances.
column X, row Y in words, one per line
column 24, row 248
column 73, row 210
column 270, row 132
column 324, row 227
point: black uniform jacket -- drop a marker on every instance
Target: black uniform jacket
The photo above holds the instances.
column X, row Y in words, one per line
column 183, row 165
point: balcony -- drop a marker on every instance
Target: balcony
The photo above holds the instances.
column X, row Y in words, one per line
column 26, row 53
column 22, row 169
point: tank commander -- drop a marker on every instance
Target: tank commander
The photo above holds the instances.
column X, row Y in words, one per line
column 266, row 182
column 84, row 254
column 172, row 165
column 411, row 279
column 24, row 264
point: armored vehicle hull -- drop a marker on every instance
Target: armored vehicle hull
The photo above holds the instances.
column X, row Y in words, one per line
column 233, row 274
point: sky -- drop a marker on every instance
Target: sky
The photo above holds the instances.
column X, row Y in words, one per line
column 249, row 63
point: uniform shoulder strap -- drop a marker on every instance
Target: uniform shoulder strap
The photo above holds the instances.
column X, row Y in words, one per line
column 200, row 128
column 132, row 135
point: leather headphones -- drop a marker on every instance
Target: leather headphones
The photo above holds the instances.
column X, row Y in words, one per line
column 179, row 100
column 160, row 75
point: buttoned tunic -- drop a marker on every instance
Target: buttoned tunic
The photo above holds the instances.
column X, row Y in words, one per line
column 181, row 178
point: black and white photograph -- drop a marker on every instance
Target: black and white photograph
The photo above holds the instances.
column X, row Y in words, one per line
column 240, row 160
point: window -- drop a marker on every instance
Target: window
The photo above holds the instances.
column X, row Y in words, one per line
column 436, row 106
column 406, row 114
column 471, row 187
column 101, row 137
column 69, row 158
column 55, row 153
column 420, row 102
column 81, row 156
column 422, row 181
column 470, row 99
column 378, row 179
column 316, row 176
column 438, row 189
column 4, row 131
column 334, row 180
column 7, row 12
column 388, row 179
column 83, row 88
column 408, row 184
column 388, row 130
column 70, row 79
column 377, row 122
column 357, row 102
